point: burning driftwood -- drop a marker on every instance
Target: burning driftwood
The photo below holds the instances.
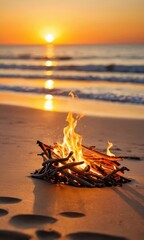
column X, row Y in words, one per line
column 72, row 163
column 101, row 170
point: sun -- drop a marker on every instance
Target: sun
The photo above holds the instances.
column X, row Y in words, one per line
column 49, row 38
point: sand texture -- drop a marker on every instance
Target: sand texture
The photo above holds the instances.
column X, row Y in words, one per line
column 34, row 209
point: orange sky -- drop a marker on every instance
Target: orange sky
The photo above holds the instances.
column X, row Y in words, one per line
column 71, row 21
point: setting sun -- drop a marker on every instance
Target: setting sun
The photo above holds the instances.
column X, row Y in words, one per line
column 49, row 38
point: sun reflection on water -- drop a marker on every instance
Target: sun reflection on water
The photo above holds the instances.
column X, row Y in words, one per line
column 49, row 84
column 49, row 63
column 49, row 73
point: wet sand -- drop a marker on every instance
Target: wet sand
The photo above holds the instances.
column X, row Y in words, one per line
column 48, row 102
column 34, row 209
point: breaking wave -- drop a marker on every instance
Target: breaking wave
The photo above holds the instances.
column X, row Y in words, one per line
column 111, row 79
column 81, row 68
column 105, row 96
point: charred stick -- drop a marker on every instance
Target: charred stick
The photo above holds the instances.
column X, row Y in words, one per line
column 51, row 161
column 41, row 172
column 45, row 158
column 86, row 176
column 66, row 166
column 52, row 150
column 100, row 170
column 58, row 160
column 93, row 175
column 38, row 175
column 42, row 146
column 122, row 169
column 92, row 179
column 49, row 146
column 50, row 153
column 124, row 179
column 78, row 179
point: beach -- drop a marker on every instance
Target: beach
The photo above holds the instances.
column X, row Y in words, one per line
column 35, row 209
column 71, row 120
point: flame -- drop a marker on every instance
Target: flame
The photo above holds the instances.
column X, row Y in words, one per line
column 72, row 141
column 108, row 152
column 73, row 95
column 79, row 116
column 76, row 164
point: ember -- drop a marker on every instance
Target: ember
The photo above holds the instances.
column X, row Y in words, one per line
column 72, row 163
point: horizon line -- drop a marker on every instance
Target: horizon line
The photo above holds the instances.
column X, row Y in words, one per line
column 66, row 44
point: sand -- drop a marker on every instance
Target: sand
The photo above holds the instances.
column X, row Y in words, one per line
column 34, row 209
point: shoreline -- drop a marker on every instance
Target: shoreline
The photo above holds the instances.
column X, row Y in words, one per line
column 115, row 212
column 80, row 106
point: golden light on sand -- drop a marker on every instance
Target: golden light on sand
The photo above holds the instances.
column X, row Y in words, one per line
column 49, row 97
column 49, row 38
column 49, row 84
column 48, row 106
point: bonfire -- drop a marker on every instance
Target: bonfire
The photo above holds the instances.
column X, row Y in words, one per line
column 74, row 164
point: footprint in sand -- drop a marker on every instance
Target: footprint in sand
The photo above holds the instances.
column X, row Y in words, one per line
column 72, row 214
column 13, row 235
column 3, row 212
column 47, row 235
column 91, row 236
column 30, row 220
column 9, row 200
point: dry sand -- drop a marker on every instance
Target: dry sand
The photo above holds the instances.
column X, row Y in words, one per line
column 34, row 209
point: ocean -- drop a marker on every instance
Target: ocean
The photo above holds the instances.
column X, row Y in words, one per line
column 109, row 73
